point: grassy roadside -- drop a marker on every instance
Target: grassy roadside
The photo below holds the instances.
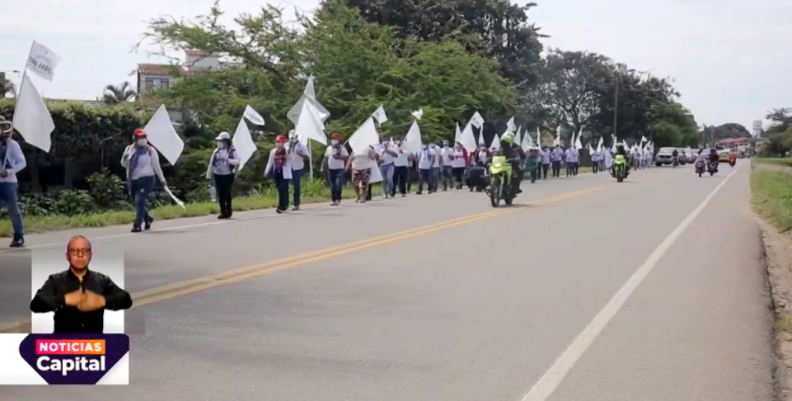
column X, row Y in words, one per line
column 266, row 200
column 772, row 193
column 785, row 162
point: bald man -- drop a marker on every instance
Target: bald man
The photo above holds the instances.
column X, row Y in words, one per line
column 79, row 296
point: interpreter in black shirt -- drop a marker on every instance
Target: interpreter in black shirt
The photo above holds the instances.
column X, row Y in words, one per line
column 79, row 296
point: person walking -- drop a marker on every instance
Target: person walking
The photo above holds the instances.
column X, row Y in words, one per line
column 533, row 163
column 279, row 169
column 222, row 168
column 557, row 157
column 571, row 155
column 387, row 155
column 447, row 166
column 459, row 164
column 142, row 164
column 401, row 173
column 13, row 160
column 361, row 163
column 546, row 157
column 298, row 155
column 334, row 164
column 425, row 160
column 436, row 166
column 596, row 158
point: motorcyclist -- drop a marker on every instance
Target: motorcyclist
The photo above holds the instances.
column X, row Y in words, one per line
column 713, row 158
column 620, row 150
column 515, row 156
column 675, row 156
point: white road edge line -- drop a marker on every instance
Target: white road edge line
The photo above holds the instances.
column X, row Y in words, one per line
column 552, row 378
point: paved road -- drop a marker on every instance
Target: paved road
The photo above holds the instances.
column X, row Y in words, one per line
column 443, row 298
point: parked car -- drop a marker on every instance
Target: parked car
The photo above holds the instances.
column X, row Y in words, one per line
column 665, row 156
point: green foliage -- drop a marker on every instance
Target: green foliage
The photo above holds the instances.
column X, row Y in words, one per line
column 106, row 189
column 772, row 195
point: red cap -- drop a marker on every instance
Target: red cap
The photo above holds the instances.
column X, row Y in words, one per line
column 139, row 133
column 336, row 137
column 280, row 138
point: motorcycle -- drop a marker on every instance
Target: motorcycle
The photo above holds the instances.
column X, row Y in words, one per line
column 712, row 168
column 699, row 167
column 500, row 184
column 676, row 162
column 732, row 162
column 619, row 168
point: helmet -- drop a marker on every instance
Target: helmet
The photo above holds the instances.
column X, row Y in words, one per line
column 508, row 138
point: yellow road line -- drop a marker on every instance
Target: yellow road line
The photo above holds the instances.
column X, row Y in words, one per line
column 175, row 290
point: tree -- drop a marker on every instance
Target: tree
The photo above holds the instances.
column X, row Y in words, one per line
column 7, row 88
column 569, row 90
column 114, row 94
column 495, row 28
column 781, row 119
column 729, row 130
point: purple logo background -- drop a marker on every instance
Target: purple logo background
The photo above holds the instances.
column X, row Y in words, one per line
column 116, row 346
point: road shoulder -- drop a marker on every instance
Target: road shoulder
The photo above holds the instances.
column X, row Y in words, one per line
column 778, row 262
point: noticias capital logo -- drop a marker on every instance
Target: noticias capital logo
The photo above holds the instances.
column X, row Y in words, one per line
column 73, row 358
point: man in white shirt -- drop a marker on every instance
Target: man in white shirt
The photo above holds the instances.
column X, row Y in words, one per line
column 571, row 161
column 435, row 167
column 447, row 162
column 596, row 159
column 400, row 171
column 334, row 163
column 387, row 155
column 13, row 161
column 425, row 160
column 298, row 155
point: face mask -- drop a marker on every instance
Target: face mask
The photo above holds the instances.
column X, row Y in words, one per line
column 279, row 145
column 334, row 142
column 142, row 142
column 220, row 145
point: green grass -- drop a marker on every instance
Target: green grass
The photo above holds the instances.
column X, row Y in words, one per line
column 772, row 196
column 786, row 162
column 784, row 323
column 312, row 193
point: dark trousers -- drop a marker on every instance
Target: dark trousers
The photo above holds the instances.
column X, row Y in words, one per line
column 223, row 184
column 459, row 173
column 534, row 174
column 336, row 178
column 594, row 166
column 425, row 177
column 448, row 177
column 556, row 169
column 282, row 185
column 296, row 180
column 400, row 177
column 141, row 188
column 545, row 167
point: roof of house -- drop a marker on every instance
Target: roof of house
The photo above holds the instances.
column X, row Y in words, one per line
column 195, row 53
column 164, row 70
column 733, row 140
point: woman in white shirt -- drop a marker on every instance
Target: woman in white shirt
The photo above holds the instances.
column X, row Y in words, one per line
column 360, row 164
column 335, row 160
column 459, row 164
column 142, row 165
column 222, row 167
column 280, row 169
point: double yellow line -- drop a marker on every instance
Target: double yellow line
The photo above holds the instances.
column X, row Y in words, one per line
column 175, row 290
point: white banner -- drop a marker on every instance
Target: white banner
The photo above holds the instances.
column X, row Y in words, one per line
column 42, row 61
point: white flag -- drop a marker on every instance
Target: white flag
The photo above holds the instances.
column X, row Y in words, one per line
column 175, row 199
column 481, row 137
column 380, row 115
column 467, row 138
column 510, row 125
column 365, row 136
column 309, row 95
column 643, row 139
column 599, row 145
column 457, row 134
column 538, row 138
column 518, row 137
column 477, row 120
column 495, row 143
column 418, row 113
column 31, row 117
column 309, row 125
column 243, row 144
column 412, row 143
column 253, row 116
column 42, row 61
column 578, row 144
column 161, row 134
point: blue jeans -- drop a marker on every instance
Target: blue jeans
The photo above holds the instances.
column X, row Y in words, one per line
column 8, row 198
column 282, row 185
column 296, row 180
column 387, row 178
column 336, row 183
column 141, row 188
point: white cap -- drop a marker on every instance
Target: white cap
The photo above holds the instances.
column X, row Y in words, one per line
column 223, row 135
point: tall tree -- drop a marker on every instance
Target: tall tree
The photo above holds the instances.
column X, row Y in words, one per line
column 114, row 94
column 7, row 88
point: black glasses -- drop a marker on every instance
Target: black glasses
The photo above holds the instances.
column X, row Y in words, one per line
column 79, row 251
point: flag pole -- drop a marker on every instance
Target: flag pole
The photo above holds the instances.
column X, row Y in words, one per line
column 310, row 159
column 16, row 103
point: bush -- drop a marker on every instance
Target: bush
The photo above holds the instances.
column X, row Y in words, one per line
column 107, row 190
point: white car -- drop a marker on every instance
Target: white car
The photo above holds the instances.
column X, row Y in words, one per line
column 666, row 156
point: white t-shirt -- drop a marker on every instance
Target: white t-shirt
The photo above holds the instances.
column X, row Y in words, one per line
column 332, row 162
column 436, row 160
column 447, row 159
column 426, row 158
column 361, row 161
column 386, row 158
column 402, row 160
column 459, row 159
column 297, row 162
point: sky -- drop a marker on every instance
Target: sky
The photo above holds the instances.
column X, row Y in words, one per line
column 729, row 58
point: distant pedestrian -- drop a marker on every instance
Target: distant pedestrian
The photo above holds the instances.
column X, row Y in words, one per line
column 13, row 160
column 387, row 154
column 401, row 171
column 425, row 160
column 459, row 164
column 298, row 155
column 557, row 157
column 334, row 164
column 222, row 168
column 361, row 163
column 596, row 158
column 436, row 161
column 142, row 164
column 279, row 169
column 546, row 157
